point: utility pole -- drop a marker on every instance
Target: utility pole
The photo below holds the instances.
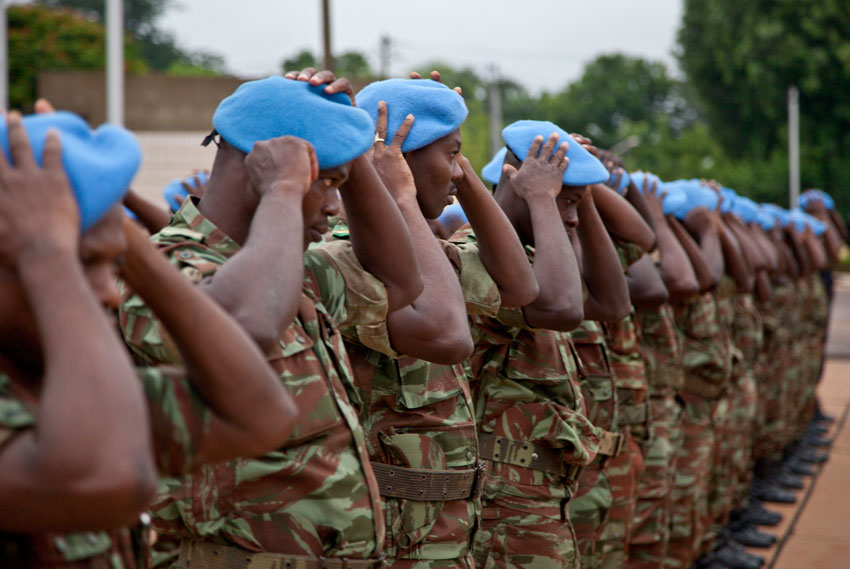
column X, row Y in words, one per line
column 495, row 104
column 326, row 34
column 385, row 56
column 4, row 58
column 115, row 62
column 793, row 145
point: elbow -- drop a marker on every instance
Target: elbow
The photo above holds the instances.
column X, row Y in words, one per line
column 563, row 319
column 519, row 296
column 404, row 293
column 682, row 288
column 443, row 349
column 262, row 331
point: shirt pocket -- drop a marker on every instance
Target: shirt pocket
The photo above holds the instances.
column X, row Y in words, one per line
column 423, row 383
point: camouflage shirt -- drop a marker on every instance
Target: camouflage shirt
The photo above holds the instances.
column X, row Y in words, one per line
column 706, row 354
column 661, row 346
column 419, row 414
column 316, row 495
column 179, row 419
column 527, row 390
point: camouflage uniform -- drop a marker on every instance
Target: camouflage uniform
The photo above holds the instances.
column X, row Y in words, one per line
column 813, row 320
column 535, row 437
column 316, row 495
column 707, row 363
column 661, row 346
column 419, row 415
column 179, row 417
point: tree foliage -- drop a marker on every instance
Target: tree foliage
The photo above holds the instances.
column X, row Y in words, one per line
column 351, row 64
column 45, row 39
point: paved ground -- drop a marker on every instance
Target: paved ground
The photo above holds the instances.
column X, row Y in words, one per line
column 815, row 533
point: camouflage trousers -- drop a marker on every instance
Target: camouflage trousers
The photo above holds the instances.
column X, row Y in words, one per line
column 772, row 369
column 604, row 506
column 509, row 538
column 742, row 419
column 689, row 512
column 650, row 534
column 721, row 485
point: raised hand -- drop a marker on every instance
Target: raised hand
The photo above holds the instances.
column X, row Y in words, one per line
column 325, row 77
column 37, row 208
column 542, row 171
column 435, row 76
column 285, row 162
column 388, row 159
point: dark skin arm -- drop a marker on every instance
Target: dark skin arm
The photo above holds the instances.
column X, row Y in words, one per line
column 621, row 219
column 787, row 262
column 798, row 248
column 763, row 290
column 538, row 181
column 86, row 463
column 434, row 326
column 765, row 246
column 608, row 294
column 151, row 216
column 751, row 251
column 702, row 269
column 832, row 238
column 638, row 201
column 703, row 225
column 250, row 415
column 734, row 261
column 816, row 250
column 646, row 289
column 675, row 268
column 260, row 286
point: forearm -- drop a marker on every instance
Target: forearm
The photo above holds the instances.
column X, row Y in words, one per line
column 252, row 412
column 637, row 200
column 151, row 216
column 501, row 251
column 675, row 268
column 763, row 290
column 646, row 289
column 260, row 286
column 379, row 235
column 621, row 219
column 752, row 253
column 764, row 245
column 559, row 304
column 704, row 274
column 608, row 294
column 734, row 261
column 816, row 251
column 708, row 241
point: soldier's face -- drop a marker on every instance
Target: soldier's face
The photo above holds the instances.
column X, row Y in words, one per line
column 322, row 201
column 567, row 201
column 435, row 171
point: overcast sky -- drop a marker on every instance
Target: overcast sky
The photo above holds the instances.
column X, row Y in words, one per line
column 541, row 44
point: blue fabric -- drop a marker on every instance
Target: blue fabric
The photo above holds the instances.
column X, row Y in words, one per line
column 674, row 199
column 454, row 212
column 765, row 219
column 729, row 197
column 492, row 172
column 745, row 208
column 274, row 107
column 174, row 193
column 782, row 215
column 812, row 195
column 801, row 220
column 584, row 169
column 624, row 180
column 437, row 110
column 696, row 195
column 100, row 164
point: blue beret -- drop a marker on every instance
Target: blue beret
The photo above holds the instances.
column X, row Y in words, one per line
column 624, row 180
column 696, row 195
column 452, row 213
column 782, row 215
column 436, row 109
column 641, row 179
column 765, row 219
column 492, row 172
column 174, row 193
column 729, row 197
column 584, row 169
column 813, row 195
column 274, row 107
column 674, row 199
column 100, row 164
column 802, row 220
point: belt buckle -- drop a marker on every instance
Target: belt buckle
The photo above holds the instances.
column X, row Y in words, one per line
column 479, row 479
column 621, row 444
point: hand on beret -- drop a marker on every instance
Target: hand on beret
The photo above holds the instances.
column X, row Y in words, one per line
column 811, row 198
column 619, row 180
column 175, row 192
column 435, row 76
column 388, row 158
column 38, row 213
column 542, row 171
column 284, row 164
column 326, row 77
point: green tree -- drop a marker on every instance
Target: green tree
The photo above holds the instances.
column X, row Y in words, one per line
column 42, row 39
column 741, row 57
column 351, row 64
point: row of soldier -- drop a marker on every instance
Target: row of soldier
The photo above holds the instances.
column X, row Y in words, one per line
column 586, row 370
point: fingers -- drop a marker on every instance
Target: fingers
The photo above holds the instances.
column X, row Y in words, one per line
column 562, row 165
column 314, row 161
column 546, row 151
column 43, row 106
column 19, row 144
column 381, row 123
column 534, row 149
column 415, row 75
column 435, row 76
column 306, row 74
column 341, row 85
column 291, row 75
column 459, row 91
column 51, row 156
column 324, row 76
column 509, row 171
column 401, row 133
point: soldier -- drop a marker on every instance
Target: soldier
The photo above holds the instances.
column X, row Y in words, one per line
column 314, row 501
column 100, row 473
column 532, row 427
column 417, row 409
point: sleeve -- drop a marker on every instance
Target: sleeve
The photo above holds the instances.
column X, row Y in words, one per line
column 480, row 291
column 628, row 252
column 354, row 298
column 180, row 418
column 15, row 416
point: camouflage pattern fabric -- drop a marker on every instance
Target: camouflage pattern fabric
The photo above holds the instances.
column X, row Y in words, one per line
column 316, row 495
column 795, row 375
column 594, row 498
column 178, row 417
column 418, row 414
column 526, row 389
column 661, row 346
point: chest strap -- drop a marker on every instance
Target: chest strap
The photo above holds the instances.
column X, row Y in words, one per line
column 201, row 554
column 428, row 485
column 520, row 453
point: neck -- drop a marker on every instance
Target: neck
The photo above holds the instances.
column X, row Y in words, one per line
column 228, row 201
column 516, row 210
